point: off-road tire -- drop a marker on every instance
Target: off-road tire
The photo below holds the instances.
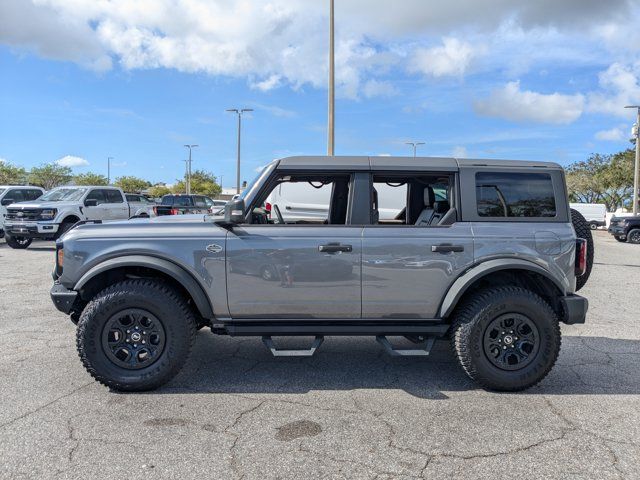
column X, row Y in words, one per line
column 472, row 319
column 63, row 228
column 161, row 300
column 581, row 226
column 18, row 243
column 634, row 236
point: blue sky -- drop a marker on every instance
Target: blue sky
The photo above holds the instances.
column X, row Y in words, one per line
column 96, row 79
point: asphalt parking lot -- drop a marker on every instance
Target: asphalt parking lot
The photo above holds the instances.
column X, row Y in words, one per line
column 349, row 412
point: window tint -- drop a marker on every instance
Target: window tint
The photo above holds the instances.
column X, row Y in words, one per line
column 167, row 200
column 114, row 196
column 17, row 195
column 98, row 196
column 132, row 198
column 33, row 194
column 182, row 201
column 515, row 195
column 199, row 201
column 208, row 202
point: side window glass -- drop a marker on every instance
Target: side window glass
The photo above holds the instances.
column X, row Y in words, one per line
column 208, row 202
column 114, row 196
column 97, row 195
column 182, row 202
column 515, row 195
column 199, row 201
column 34, row 194
column 17, row 195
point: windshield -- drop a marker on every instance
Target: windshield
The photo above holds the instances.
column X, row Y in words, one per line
column 2, row 190
column 63, row 194
column 250, row 190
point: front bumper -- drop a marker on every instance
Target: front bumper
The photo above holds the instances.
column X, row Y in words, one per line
column 63, row 298
column 31, row 229
column 575, row 309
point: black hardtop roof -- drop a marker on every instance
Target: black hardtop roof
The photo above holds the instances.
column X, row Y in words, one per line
column 404, row 163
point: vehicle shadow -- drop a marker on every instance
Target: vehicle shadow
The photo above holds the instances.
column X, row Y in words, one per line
column 587, row 365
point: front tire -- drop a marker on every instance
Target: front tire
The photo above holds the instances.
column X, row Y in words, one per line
column 18, row 243
column 621, row 239
column 506, row 338
column 136, row 335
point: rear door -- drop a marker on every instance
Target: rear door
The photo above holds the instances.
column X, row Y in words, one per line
column 117, row 208
column 408, row 268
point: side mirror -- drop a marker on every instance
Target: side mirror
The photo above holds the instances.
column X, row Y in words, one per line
column 7, row 201
column 91, row 202
column 234, row 212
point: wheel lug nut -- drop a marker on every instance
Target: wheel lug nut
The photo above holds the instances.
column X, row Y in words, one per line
column 127, row 340
column 129, row 331
column 504, row 348
column 135, row 345
column 143, row 342
column 144, row 333
column 139, row 329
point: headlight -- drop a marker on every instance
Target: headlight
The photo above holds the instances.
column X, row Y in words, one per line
column 48, row 214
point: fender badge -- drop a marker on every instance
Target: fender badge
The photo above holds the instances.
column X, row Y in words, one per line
column 213, row 248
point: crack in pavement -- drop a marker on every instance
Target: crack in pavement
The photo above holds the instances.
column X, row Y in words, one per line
column 232, row 450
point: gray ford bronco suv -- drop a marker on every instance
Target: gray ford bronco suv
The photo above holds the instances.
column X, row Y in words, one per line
column 481, row 252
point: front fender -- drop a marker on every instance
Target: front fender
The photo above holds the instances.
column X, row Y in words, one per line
column 171, row 269
column 464, row 281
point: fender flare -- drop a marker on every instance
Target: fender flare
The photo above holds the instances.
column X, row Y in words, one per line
column 464, row 281
column 167, row 267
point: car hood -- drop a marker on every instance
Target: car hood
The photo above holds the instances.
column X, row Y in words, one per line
column 37, row 204
column 156, row 229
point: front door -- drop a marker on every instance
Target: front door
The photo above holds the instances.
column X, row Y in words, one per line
column 294, row 271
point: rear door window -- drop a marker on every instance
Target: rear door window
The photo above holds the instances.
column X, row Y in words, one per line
column 513, row 195
column 114, row 196
column 33, row 194
column 200, row 202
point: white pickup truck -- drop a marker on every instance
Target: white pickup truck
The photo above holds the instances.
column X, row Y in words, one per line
column 58, row 210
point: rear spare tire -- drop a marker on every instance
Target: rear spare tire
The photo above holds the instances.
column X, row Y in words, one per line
column 583, row 230
column 136, row 335
column 506, row 338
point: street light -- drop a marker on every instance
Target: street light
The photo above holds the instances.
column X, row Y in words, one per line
column 332, row 84
column 636, row 175
column 239, row 112
column 415, row 146
column 109, row 170
column 188, row 182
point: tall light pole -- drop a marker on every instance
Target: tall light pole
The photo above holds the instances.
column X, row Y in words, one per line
column 109, row 170
column 332, row 84
column 415, row 147
column 188, row 182
column 636, row 175
column 239, row 112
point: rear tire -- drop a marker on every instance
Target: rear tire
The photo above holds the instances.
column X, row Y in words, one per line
column 512, row 317
column 634, row 236
column 593, row 226
column 583, row 230
column 18, row 243
column 126, row 358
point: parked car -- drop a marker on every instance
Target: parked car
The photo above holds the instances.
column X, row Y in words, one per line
column 50, row 216
column 594, row 213
column 494, row 264
column 15, row 193
column 180, row 204
column 625, row 229
column 138, row 202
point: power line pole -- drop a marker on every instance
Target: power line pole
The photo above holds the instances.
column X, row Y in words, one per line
column 636, row 175
column 415, row 147
column 332, row 83
column 188, row 179
column 109, row 170
column 239, row 112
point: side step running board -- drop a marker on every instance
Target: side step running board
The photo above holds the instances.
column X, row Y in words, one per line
column 268, row 341
column 423, row 350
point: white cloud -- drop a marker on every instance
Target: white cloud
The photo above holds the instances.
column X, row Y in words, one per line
column 452, row 58
column 619, row 86
column 376, row 88
column 284, row 42
column 71, row 161
column 512, row 103
column 276, row 111
column 615, row 134
column 459, row 152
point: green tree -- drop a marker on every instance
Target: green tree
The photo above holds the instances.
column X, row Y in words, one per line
column 90, row 178
column 604, row 179
column 132, row 184
column 202, row 183
column 158, row 191
column 50, row 175
column 11, row 174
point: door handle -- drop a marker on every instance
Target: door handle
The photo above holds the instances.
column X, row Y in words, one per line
column 335, row 248
column 447, row 248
